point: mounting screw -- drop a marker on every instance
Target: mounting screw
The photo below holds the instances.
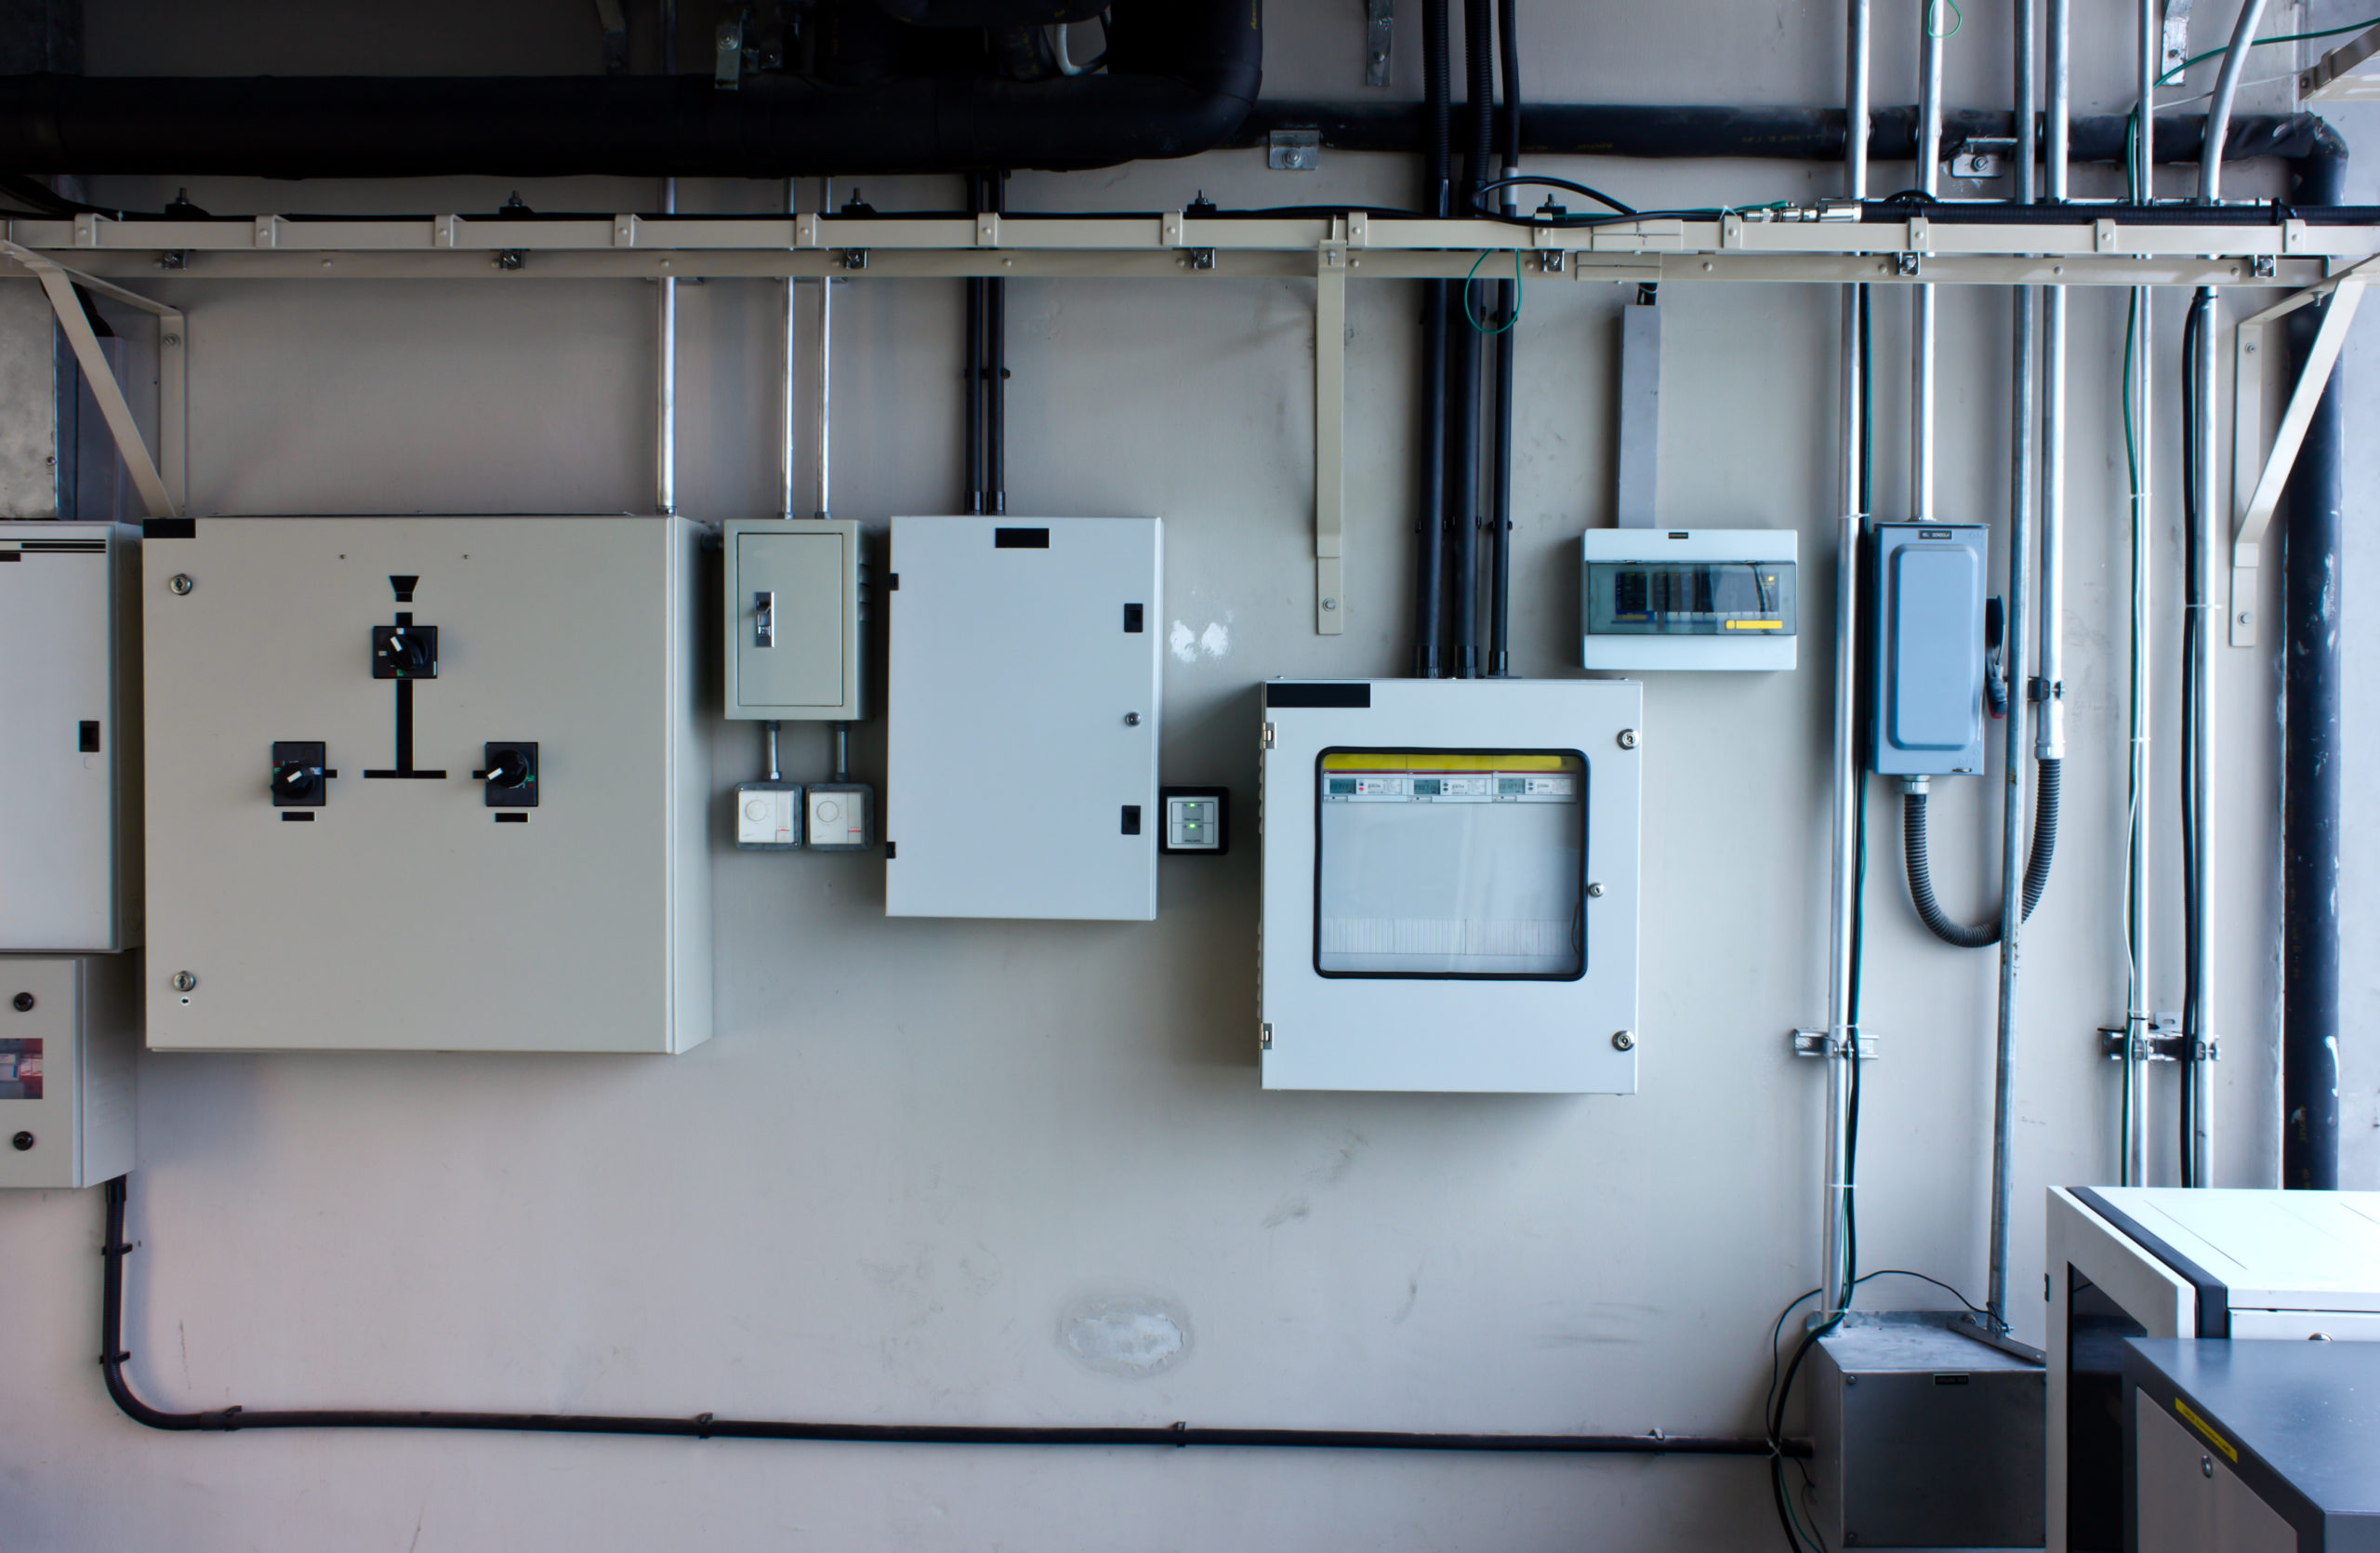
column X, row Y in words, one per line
column 24, row 1141
column 23, row 1002
column 2246, row 616
column 1131, row 720
column 1330, row 603
column 184, row 981
column 1627, row 738
column 2205, row 1463
column 1595, row 891
column 180, row 582
column 1624, row 1041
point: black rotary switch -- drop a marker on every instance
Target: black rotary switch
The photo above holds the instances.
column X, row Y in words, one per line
column 404, row 651
column 299, row 775
column 511, row 774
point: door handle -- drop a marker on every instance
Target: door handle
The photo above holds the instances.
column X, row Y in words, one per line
column 765, row 620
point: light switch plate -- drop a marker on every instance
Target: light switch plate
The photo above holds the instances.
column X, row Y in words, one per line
column 768, row 816
column 1196, row 821
column 840, row 817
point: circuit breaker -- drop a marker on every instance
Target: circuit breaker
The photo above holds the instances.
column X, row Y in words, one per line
column 1674, row 598
column 794, row 614
column 1023, row 718
column 1450, row 885
column 1928, row 644
column 428, row 783
column 69, row 1027
column 69, row 737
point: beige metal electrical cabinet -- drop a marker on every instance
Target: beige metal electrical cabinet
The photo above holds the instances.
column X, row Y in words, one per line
column 795, row 615
column 69, row 1032
column 428, row 783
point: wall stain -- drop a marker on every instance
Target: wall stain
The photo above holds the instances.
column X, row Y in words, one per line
column 1126, row 1334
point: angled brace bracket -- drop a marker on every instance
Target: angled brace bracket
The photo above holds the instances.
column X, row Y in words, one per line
column 2257, row 478
column 1330, row 268
column 59, row 283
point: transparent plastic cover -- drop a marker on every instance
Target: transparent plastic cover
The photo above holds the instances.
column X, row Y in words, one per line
column 1451, row 863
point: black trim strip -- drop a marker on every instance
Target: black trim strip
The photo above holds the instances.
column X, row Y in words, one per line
column 169, row 529
column 1279, row 693
column 1020, row 538
column 2213, row 1298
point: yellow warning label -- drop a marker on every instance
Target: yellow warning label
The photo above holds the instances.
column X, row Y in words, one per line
column 1391, row 761
column 2207, row 1429
column 1755, row 625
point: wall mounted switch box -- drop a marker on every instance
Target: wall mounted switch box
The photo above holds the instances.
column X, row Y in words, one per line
column 69, row 737
column 1450, row 893
column 1925, row 659
column 838, row 816
column 1023, row 722
column 768, row 816
column 796, row 618
column 429, row 784
column 69, row 1027
column 1197, row 821
column 1702, row 597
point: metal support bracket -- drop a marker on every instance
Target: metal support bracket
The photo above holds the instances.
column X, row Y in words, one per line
column 2257, row 477
column 158, row 498
column 1812, row 1043
column 1380, row 34
column 1330, row 437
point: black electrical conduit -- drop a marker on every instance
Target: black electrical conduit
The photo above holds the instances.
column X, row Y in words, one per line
column 707, row 1425
column 1181, row 75
column 2047, row 780
column 1434, row 134
column 1507, row 313
column 1463, row 354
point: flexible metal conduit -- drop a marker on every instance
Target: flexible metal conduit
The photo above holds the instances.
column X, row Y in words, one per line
column 228, row 1420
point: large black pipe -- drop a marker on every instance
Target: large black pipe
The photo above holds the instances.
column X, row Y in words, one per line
column 996, row 370
column 1435, row 133
column 2311, row 615
column 1463, row 348
column 1508, row 298
column 1181, row 76
column 974, row 370
column 1691, row 131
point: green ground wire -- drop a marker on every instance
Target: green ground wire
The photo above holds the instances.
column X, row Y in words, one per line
column 1933, row 19
column 1473, row 317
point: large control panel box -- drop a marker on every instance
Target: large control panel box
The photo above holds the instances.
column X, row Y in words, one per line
column 69, row 737
column 1450, row 885
column 795, row 618
column 429, row 784
column 70, row 1031
column 1022, row 733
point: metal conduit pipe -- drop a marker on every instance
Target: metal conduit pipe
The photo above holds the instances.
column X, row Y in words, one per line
column 2134, row 1144
column 2049, row 733
column 2023, row 456
column 1842, row 1043
column 825, row 373
column 2311, row 751
column 665, row 452
column 1928, row 154
column 786, row 385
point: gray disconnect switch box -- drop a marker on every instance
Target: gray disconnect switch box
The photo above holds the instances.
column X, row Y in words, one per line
column 1926, row 662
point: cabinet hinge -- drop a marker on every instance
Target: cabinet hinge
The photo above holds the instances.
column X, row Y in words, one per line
column 1268, row 735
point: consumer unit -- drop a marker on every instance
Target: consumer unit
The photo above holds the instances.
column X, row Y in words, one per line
column 1450, row 885
column 69, row 1030
column 1022, row 729
column 69, row 737
column 428, row 783
column 1927, row 641
column 1674, row 598
column 2176, row 1262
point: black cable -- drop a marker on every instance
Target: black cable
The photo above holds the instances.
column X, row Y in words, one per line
column 1511, row 180
column 2193, row 621
column 1429, row 535
column 711, row 1427
column 996, row 369
column 1507, row 348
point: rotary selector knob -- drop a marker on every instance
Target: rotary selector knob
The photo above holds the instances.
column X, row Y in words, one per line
column 294, row 780
column 509, row 770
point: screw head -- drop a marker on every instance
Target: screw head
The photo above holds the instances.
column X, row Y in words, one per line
column 1330, row 603
column 184, row 981
column 1627, row 738
column 1595, row 891
column 23, row 1142
column 1131, row 720
column 2205, row 1463
column 1624, row 1041
column 22, row 1003
column 180, row 582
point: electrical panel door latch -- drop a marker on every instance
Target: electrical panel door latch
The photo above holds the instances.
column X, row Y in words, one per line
column 765, row 620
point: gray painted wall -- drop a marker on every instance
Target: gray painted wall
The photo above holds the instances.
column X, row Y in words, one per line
column 917, row 1150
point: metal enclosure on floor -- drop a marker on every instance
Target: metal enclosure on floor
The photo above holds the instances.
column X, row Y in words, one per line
column 1450, row 885
column 1023, row 719
column 69, row 1027
column 69, row 737
column 2175, row 1262
column 428, row 783
column 795, row 613
column 1925, row 1439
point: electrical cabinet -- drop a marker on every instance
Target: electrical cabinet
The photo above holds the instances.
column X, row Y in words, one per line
column 794, row 617
column 1023, row 720
column 69, row 1033
column 428, row 783
column 1450, row 885
column 1927, row 640
column 69, row 737
column 1673, row 598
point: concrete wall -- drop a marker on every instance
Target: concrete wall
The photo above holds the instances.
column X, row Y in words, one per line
column 917, row 1152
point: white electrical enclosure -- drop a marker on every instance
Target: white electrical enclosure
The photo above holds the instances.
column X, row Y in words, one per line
column 1022, row 738
column 1450, row 885
column 1676, row 598
column 68, row 1031
column 428, row 783
column 795, row 617
column 69, row 737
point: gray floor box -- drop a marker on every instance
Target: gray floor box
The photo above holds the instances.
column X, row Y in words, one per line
column 1925, row 1439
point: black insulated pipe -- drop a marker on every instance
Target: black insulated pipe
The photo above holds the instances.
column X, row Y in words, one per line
column 1434, row 131
column 1181, row 75
column 705, row 1425
column 973, row 369
column 2311, row 613
column 1463, row 352
column 995, row 368
column 1507, row 313
column 1915, row 854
